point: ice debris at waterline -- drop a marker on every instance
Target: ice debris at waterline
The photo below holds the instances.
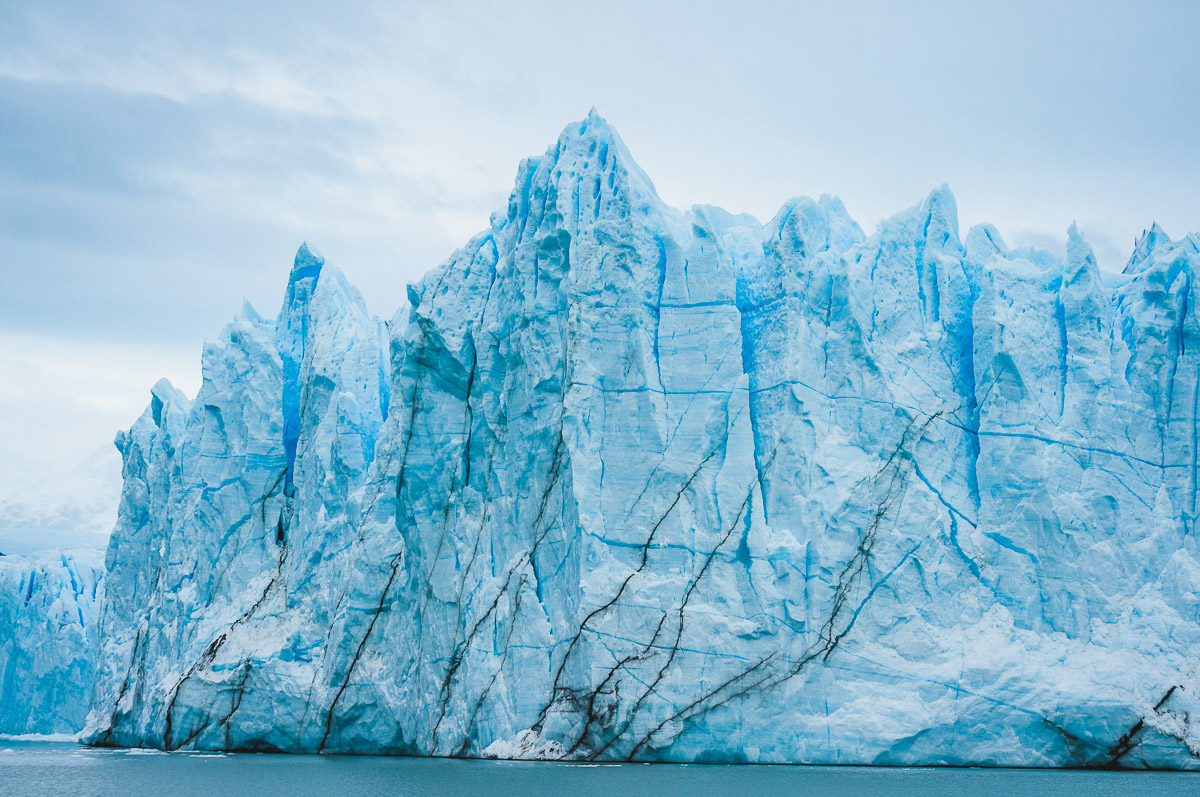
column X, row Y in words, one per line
column 49, row 608
column 626, row 483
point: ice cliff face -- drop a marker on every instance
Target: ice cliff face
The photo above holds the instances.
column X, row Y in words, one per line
column 49, row 609
column 625, row 483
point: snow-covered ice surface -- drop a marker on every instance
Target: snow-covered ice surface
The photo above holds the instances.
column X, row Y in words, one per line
column 626, row 483
column 49, row 610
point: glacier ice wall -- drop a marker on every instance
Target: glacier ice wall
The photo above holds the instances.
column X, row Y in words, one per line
column 49, row 610
column 625, row 483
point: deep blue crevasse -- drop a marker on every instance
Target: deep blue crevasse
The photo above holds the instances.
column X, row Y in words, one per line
column 290, row 337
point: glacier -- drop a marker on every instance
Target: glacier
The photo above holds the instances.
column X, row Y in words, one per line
column 625, row 483
column 50, row 606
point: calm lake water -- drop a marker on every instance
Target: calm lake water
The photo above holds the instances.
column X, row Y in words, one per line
column 41, row 768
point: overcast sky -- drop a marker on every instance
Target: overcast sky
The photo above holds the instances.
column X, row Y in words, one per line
column 159, row 162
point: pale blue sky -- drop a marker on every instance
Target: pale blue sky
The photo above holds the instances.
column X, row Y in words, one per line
column 159, row 162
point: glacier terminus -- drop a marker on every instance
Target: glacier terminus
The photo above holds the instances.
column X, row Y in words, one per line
column 625, row 483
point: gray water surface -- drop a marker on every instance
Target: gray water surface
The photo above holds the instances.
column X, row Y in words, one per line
column 41, row 768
